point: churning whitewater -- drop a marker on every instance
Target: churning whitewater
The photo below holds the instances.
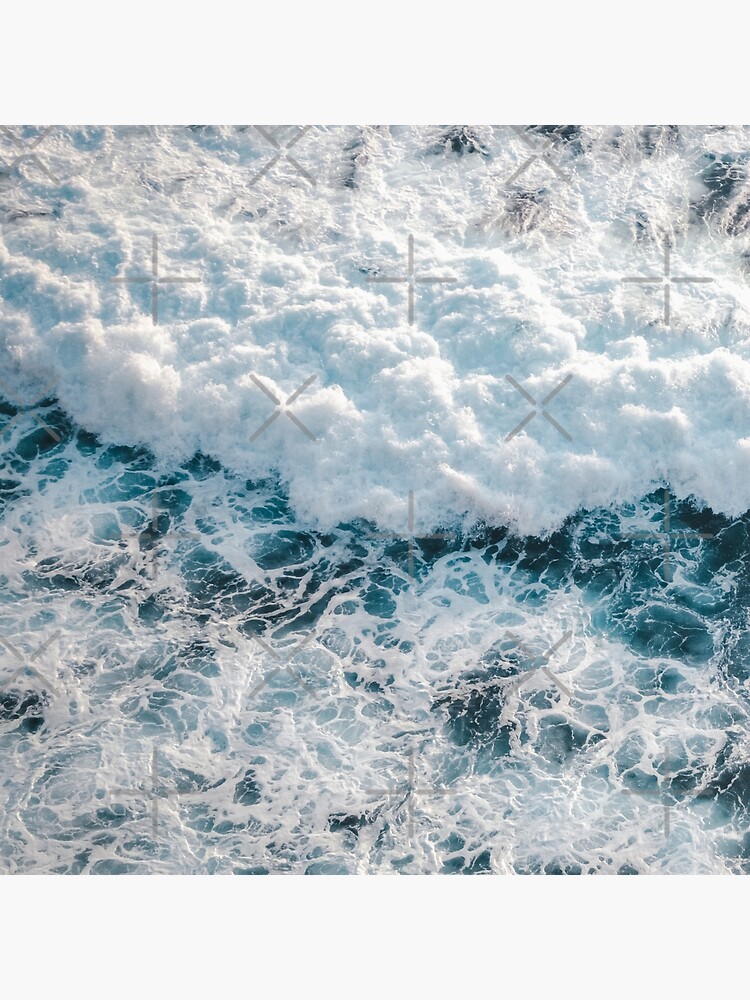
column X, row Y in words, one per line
column 374, row 499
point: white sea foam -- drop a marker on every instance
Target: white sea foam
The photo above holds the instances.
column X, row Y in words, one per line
column 376, row 687
column 283, row 296
column 157, row 647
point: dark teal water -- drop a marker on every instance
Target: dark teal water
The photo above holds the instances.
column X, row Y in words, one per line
column 160, row 582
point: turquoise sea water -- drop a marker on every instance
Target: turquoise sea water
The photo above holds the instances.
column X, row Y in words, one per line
column 416, row 729
column 382, row 509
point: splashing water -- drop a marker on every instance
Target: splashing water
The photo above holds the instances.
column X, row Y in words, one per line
column 309, row 569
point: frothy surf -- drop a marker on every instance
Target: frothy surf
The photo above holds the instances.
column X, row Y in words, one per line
column 306, row 568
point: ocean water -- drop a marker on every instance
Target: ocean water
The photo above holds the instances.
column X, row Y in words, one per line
column 374, row 500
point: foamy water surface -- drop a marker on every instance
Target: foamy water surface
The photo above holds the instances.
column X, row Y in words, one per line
column 307, row 569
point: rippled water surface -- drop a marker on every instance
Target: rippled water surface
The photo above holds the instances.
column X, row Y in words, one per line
column 303, row 571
